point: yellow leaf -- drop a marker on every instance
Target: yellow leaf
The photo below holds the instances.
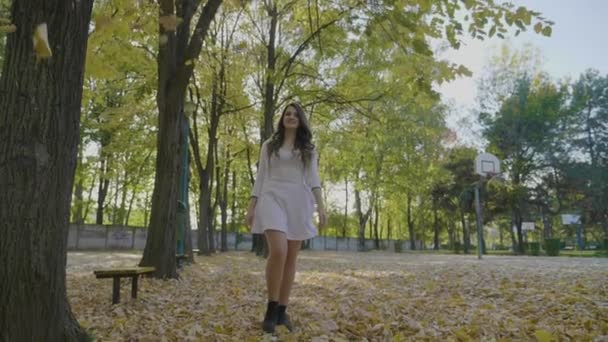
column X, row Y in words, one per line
column 461, row 335
column 40, row 39
column 101, row 21
column 8, row 28
column 544, row 336
column 169, row 22
column 163, row 39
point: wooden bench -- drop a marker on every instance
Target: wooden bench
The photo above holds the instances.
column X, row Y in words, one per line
column 123, row 272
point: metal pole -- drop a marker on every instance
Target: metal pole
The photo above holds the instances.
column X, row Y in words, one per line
column 479, row 220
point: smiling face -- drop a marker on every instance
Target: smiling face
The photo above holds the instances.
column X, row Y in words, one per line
column 291, row 119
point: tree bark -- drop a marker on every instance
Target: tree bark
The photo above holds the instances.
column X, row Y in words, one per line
column 345, row 207
column 436, row 226
column 224, row 204
column 39, row 131
column 104, row 184
column 466, row 236
column 376, row 236
column 362, row 220
column 410, row 223
column 173, row 76
column 259, row 240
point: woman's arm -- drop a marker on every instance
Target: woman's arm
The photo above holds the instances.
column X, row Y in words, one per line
column 314, row 181
column 259, row 183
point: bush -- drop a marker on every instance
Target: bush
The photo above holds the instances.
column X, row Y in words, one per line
column 398, row 246
column 606, row 244
column 552, row 247
column 533, row 248
column 457, row 247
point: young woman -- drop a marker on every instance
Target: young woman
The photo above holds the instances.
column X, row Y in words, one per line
column 282, row 206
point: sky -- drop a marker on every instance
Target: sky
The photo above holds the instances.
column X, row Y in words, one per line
column 579, row 41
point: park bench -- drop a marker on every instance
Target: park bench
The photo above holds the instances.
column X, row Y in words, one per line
column 123, row 272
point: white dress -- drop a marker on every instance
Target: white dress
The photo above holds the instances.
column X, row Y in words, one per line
column 283, row 188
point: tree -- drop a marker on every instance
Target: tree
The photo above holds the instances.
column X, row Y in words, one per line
column 519, row 134
column 39, row 128
column 177, row 54
column 588, row 122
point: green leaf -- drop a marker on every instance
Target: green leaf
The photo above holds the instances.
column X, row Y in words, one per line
column 538, row 27
column 547, row 31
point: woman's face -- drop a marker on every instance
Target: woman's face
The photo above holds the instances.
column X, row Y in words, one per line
column 290, row 118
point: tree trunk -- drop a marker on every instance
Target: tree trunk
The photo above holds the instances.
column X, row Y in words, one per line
column 128, row 214
column 362, row 220
column 224, row 204
column 517, row 218
column 259, row 240
column 78, row 217
column 104, row 184
column 78, row 214
column 204, row 200
column 513, row 239
column 466, row 237
column 173, row 76
column 376, row 236
column 39, row 131
column 410, row 223
column 436, row 226
column 87, row 206
column 345, row 207
column 233, row 215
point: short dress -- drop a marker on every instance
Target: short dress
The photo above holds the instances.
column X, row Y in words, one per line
column 283, row 188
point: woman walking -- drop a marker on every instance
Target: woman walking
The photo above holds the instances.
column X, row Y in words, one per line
column 282, row 206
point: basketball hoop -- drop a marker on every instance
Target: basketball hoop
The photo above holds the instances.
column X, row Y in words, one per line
column 487, row 164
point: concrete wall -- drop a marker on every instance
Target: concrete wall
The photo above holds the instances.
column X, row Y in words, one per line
column 91, row 237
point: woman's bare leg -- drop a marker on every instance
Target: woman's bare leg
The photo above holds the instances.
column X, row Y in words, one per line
column 289, row 271
column 277, row 254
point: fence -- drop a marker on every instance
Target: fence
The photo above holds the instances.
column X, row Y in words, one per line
column 95, row 237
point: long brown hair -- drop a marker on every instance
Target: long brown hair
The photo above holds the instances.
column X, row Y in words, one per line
column 303, row 141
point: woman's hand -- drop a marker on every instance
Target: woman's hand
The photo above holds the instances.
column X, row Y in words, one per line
column 322, row 217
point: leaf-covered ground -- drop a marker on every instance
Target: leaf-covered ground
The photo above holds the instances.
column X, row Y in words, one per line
column 353, row 297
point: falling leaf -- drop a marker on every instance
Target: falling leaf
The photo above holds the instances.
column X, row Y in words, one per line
column 8, row 28
column 170, row 22
column 42, row 49
column 163, row 39
column 102, row 21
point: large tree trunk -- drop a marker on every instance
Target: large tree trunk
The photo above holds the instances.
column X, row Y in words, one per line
column 39, row 131
column 173, row 76
column 259, row 240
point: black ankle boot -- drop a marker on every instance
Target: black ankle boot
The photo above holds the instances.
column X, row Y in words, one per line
column 283, row 317
column 271, row 317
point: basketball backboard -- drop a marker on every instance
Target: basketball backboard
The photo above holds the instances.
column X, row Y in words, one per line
column 487, row 164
